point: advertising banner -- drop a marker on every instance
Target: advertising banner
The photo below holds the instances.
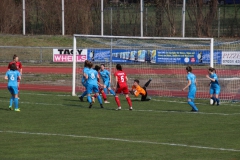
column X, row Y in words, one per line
column 150, row 56
column 187, row 56
column 66, row 55
column 231, row 57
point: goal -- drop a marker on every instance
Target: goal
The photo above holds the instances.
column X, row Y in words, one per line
column 163, row 59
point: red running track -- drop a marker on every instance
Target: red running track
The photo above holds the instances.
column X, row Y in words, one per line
column 68, row 70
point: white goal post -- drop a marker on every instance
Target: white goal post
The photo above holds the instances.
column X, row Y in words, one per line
column 110, row 38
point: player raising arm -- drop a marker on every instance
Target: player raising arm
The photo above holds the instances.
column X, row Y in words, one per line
column 19, row 68
column 12, row 76
column 121, row 86
column 214, row 85
column 192, row 89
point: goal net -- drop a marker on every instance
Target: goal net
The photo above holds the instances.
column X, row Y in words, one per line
column 163, row 59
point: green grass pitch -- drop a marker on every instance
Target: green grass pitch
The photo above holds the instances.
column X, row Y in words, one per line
column 58, row 126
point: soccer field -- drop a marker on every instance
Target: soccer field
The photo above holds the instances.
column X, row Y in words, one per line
column 58, row 126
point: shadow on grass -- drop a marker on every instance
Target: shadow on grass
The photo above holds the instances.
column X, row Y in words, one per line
column 6, row 109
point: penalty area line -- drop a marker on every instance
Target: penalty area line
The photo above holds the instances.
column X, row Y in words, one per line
column 123, row 140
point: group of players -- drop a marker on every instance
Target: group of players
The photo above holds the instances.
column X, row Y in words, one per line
column 192, row 85
column 91, row 82
column 13, row 75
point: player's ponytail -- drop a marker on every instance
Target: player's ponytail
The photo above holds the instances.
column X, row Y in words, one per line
column 14, row 56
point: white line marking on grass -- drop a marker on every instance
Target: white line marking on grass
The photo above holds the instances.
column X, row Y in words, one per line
column 123, row 140
column 134, row 110
column 43, row 94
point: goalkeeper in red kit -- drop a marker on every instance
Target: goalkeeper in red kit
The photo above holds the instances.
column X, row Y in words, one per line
column 121, row 86
column 19, row 68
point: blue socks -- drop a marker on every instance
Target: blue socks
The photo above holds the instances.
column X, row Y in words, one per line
column 217, row 100
column 89, row 98
column 84, row 94
column 112, row 92
column 105, row 90
column 16, row 103
column 99, row 99
column 193, row 105
column 214, row 99
column 11, row 101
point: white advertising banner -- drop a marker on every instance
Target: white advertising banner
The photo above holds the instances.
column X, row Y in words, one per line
column 231, row 57
column 66, row 55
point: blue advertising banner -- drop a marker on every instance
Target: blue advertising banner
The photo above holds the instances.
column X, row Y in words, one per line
column 154, row 56
column 187, row 56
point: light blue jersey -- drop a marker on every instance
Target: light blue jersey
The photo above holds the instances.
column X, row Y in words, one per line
column 105, row 75
column 84, row 80
column 215, row 87
column 12, row 81
column 12, row 77
column 92, row 83
column 192, row 88
column 214, row 84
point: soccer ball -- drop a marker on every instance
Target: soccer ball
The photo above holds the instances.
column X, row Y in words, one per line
column 211, row 101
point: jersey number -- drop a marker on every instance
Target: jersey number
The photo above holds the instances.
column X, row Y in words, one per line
column 92, row 76
column 12, row 77
column 122, row 78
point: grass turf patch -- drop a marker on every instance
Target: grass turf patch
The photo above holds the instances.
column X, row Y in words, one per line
column 58, row 126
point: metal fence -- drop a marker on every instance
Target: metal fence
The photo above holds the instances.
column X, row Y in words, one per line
column 39, row 55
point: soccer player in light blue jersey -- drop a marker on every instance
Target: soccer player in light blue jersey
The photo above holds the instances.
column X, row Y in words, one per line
column 214, row 86
column 192, row 89
column 84, row 80
column 106, row 77
column 13, row 75
column 92, row 84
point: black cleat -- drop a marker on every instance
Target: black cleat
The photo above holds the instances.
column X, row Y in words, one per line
column 194, row 110
column 90, row 106
column 218, row 104
column 101, row 106
column 81, row 98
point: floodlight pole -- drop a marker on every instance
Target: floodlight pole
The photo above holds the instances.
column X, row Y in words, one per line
column 102, row 17
column 63, row 29
column 141, row 11
column 24, row 22
column 183, row 18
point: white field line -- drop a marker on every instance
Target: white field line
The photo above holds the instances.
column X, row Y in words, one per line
column 135, row 110
column 183, row 102
column 123, row 140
